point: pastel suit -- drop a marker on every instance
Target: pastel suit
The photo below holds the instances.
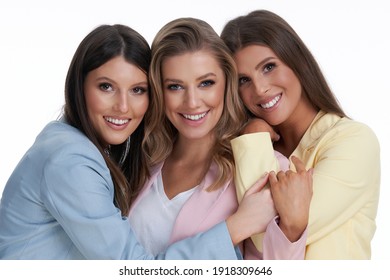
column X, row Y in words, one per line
column 58, row 204
column 205, row 208
column 345, row 155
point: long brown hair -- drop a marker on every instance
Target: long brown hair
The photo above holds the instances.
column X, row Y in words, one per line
column 127, row 166
column 268, row 29
column 181, row 36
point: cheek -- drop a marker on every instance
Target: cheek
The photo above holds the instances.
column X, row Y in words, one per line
column 245, row 97
column 171, row 102
column 289, row 79
column 94, row 104
column 140, row 106
column 218, row 97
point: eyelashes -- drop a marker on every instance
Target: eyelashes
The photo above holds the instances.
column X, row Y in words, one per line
column 268, row 67
column 139, row 90
column 202, row 84
column 107, row 87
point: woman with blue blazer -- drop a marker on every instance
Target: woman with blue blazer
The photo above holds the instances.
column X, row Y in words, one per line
column 69, row 195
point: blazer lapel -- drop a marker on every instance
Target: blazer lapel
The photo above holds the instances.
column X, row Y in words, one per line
column 202, row 210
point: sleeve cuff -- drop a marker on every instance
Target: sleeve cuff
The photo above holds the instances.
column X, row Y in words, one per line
column 276, row 245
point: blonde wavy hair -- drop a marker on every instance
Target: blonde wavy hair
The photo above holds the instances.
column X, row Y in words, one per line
column 187, row 35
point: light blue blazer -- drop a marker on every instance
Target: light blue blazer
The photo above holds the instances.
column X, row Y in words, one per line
column 58, row 204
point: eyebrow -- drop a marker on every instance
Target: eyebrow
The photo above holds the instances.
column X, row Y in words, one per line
column 263, row 62
column 172, row 81
column 206, row 76
column 143, row 83
column 199, row 78
column 105, row 78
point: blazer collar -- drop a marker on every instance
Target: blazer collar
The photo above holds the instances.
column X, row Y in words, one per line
column 321, row 124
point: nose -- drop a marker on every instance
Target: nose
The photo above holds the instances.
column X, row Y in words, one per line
column 122, row 102
column 261, row 86
column 192, row 97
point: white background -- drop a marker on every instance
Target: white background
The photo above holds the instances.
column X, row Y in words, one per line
column 350, row 40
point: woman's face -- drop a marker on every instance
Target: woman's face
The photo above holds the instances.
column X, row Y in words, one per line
column 268, row 87
column 194, row 89
column 116, row 95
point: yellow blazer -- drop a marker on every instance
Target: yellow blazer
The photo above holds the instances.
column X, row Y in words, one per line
column 345, row 156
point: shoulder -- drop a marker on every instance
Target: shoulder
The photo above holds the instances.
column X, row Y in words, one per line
column 349, row 144
column 69, row 158
column 331, row 128
column 60, row 136
column 62, row 144
column 355, row 132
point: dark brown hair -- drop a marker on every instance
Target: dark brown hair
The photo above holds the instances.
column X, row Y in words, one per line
column 127, row 166
column 270, row 30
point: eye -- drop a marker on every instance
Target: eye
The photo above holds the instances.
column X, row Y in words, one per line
column 106, row 87
column 268, row 67
column 243, row 80
column 207, row 83
column 174, row 87
column 139, row 90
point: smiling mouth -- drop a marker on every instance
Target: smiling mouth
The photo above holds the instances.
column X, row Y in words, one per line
column 116, row 121
column 271, row 103
column 195, row 117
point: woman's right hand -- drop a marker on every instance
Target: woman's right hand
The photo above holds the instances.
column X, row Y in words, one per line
column 254, row 213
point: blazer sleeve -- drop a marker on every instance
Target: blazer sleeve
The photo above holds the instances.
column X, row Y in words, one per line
column 254, row 155
column 276, row 245
column 78, row 192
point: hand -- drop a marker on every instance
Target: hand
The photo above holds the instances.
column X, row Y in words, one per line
column 254, row 213
column 292, row 193
column 259, row 125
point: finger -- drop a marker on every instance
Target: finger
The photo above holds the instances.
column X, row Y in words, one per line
column 299, row 166
column 282, row 174
column 274, row 136
column 272, row 178
column 258, row 185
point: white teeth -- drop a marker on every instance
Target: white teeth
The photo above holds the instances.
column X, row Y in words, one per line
column 271, row 103
column 116, row 121
column 195, row 117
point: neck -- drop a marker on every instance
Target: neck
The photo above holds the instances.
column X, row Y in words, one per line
column 292, row 130
column 187, row 165
column 192, row 151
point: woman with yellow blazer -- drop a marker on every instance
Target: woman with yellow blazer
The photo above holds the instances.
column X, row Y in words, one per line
column 282, row 86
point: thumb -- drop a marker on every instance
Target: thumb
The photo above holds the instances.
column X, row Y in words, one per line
column 258, row 185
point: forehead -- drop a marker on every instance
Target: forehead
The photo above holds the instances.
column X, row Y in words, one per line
column 118, row 68
column 195, row 63
column 253, row 53
column 250, row 56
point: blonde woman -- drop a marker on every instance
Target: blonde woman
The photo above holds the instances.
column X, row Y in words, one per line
column 195, row 112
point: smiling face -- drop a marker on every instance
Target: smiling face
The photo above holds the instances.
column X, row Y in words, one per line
column 194, row 89
column 268, row 87
column 116, row 95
